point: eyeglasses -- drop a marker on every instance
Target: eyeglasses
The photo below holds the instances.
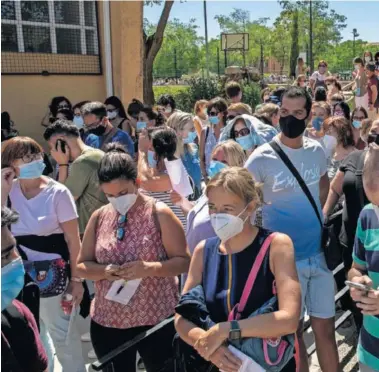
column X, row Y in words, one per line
column 242, row 132
column 28, row 158
column 373, row 138
column 121, row 224
column 230, row 117
column 213, row 113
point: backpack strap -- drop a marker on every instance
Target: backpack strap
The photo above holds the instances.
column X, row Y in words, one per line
column 254, row 272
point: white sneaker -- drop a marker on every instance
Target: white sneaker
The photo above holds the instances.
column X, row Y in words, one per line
column 91, row 354
column 86, row 337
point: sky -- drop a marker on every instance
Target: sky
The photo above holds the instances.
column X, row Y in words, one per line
column 362, row 15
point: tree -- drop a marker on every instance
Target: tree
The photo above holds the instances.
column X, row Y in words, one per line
column 280, row 41
column 180, row 52
column 152, row 44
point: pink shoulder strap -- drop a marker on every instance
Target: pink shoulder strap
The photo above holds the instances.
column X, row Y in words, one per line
column 254, row 272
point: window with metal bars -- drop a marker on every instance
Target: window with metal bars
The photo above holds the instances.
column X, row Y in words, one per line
column 49, row 37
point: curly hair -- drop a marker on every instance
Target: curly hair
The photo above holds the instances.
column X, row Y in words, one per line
column 343, row 129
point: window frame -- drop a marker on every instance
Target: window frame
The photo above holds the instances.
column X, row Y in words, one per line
column 53, row 26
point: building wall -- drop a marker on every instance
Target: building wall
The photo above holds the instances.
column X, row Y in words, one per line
column 26, row 97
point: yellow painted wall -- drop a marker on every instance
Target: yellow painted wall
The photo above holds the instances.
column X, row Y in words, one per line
column 26, row 97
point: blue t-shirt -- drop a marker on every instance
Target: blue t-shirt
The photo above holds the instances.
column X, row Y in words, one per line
column 366, row 253
column 120, row 136
column 287, row 209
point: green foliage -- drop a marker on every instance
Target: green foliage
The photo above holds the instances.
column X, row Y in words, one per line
column 200, row 88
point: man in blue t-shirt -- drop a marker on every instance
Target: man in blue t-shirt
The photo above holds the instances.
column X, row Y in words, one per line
column 365, row 269
column 101, row 131
column 288, row 210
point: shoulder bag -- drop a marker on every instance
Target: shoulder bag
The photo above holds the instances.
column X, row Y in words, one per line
column 271, row 354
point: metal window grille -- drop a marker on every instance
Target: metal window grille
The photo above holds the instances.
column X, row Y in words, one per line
column 50, row 37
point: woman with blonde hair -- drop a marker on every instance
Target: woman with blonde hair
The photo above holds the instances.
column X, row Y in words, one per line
column 183, row 125
column 269, row 111
column 237, row 109
column 220, row 267
column 225, row 154
column 201, row 118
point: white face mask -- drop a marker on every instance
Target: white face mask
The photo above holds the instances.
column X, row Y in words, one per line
column 367, row 59
column 356, row 67
column 330, row 142
column 226, row 226
column 123, row 203
column 112, row 114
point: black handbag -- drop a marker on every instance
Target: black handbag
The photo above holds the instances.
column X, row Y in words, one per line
column 329, row 242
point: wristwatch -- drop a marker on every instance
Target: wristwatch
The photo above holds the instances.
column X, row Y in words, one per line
column 235, row 331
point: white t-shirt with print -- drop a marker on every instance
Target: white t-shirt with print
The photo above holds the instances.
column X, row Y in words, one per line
column 43, row 214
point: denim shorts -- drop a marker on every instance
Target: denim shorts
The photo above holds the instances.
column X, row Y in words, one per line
column 317, row 287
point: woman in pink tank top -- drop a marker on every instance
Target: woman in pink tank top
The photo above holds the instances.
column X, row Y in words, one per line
column 136, row 245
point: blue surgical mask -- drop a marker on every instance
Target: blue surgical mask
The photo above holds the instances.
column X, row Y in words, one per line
column 317, row 123
column 356, row 124
column 141, row 125
column 190, row 138
column 215, row 167
column 12, row 281
column 151, row 159
column 214, row 120
column 32, row 170
column 246, row 142
column 78, row 121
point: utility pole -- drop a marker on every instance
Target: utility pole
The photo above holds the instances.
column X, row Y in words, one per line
column 355, row 35
column 311, row 64
column 262, row 61
column 206, row 38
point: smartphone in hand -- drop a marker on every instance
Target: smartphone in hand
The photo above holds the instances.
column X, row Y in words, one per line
column 359, row 286
column 61, row 144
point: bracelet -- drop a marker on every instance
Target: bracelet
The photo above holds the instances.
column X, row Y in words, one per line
column 76, row 280
column 63, row 165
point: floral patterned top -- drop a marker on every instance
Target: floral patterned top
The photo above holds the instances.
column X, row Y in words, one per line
column 155, row 298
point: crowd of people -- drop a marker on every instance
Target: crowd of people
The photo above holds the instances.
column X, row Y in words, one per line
column 240, row 260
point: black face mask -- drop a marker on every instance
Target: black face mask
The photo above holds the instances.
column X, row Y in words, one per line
column 98, row 131
column 292, row 127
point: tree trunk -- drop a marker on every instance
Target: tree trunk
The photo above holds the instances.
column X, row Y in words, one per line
column 295, row 43
column 152, row 45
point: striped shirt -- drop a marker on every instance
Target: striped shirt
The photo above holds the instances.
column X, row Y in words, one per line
column 366, row 253
column 165, row 197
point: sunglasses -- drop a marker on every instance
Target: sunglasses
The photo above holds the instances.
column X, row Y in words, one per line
column 321, row 66
column 242, row 132
column 230, row 117
column 212, row 113
column 121, row 223
column 373, row 138
column 359, row 118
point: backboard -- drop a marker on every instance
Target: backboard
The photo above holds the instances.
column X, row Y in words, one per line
column 235, row 41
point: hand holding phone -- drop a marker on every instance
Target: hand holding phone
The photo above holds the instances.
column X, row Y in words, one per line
column 359, row 286
column 60, row 144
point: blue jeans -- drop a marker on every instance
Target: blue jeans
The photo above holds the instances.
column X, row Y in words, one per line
column 317, row 287
column 54, row 327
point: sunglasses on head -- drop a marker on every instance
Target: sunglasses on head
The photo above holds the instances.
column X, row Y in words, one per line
column 121, row 223
column 242, row 132
column 373, row 138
